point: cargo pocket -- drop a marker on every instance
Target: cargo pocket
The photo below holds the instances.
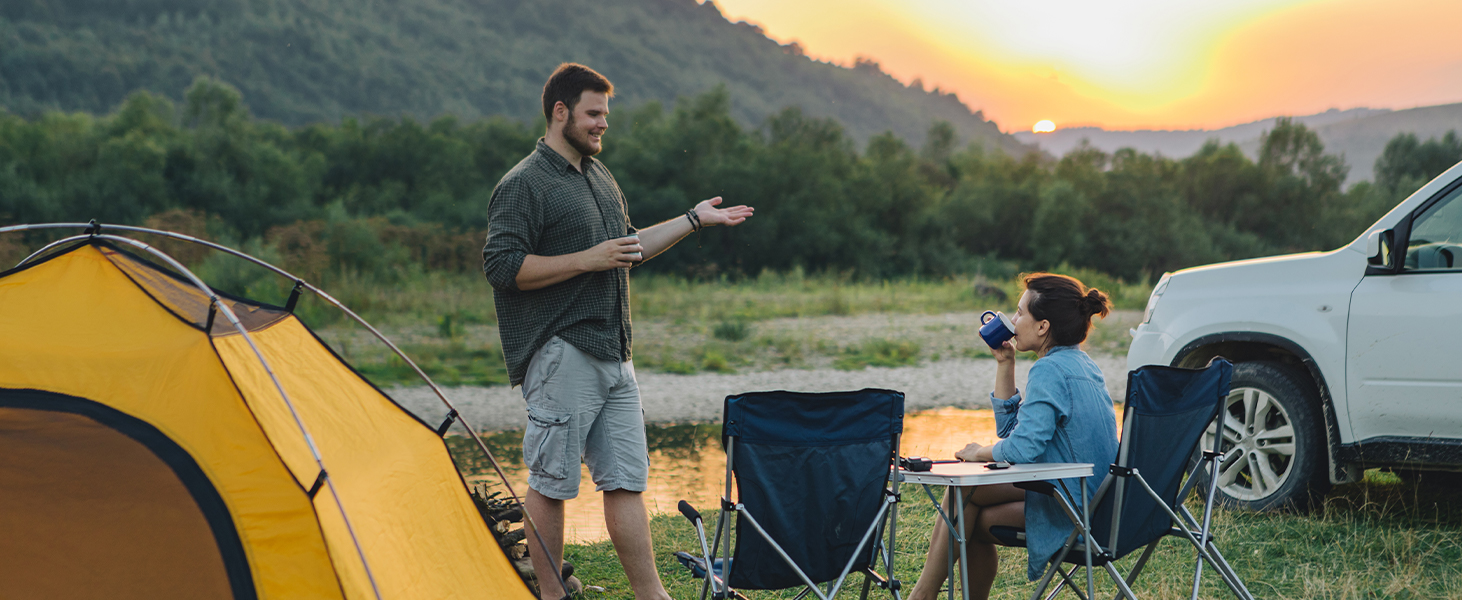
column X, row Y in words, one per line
column 546, row 443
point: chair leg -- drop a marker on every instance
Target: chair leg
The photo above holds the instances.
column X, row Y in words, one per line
column 1055, row 566
column 1139, row 566
column 1067, row 579
column 1232, row 580
column 1204, row 547
column 1057, row 590
column 1117, row 578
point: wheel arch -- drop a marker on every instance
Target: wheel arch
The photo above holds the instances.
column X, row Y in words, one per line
column 1242, row 346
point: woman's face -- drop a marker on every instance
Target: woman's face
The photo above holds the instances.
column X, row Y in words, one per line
column 1031, row 333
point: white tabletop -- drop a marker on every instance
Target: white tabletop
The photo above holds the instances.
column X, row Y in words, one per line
column 976, row 473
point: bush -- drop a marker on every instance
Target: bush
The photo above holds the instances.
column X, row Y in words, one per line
column 878, row 353
column 732, row 331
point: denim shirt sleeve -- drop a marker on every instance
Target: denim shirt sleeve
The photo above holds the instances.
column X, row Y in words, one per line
column 1006, row 413
column 1026, row 425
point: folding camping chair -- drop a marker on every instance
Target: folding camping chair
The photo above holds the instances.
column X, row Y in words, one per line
column 1141, row 501
column 815, row 492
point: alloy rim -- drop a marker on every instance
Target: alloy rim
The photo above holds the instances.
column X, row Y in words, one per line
column 1258, row 445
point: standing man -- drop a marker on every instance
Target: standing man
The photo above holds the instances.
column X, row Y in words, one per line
column 559, row 257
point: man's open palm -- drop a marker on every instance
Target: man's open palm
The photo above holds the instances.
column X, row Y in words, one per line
column 709, row 214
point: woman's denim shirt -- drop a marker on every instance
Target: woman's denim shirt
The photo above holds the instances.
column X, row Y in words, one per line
column 1066, row 417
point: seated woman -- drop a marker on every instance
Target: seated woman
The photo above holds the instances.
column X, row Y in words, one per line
column 1066, row 416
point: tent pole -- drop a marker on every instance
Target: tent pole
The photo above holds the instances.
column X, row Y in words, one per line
column 318, row 292
column 228, row 313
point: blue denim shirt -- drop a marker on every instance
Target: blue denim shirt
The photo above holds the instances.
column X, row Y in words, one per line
column 1066, row 417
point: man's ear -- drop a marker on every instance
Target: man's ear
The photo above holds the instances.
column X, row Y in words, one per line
column 561, row 112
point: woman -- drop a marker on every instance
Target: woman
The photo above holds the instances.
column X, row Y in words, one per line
column 1066, row 416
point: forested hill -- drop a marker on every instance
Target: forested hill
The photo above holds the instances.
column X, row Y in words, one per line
column 302, row 61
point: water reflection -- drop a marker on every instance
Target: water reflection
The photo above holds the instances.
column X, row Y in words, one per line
column 687, row 462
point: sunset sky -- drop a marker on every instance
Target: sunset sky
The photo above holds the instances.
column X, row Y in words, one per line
column 1140, row 64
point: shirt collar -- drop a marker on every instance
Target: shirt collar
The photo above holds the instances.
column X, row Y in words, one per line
column 1062, row 348
column 557, row 160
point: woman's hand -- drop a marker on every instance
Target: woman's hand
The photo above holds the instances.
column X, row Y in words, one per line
column 969, row 453
column 1006, row 354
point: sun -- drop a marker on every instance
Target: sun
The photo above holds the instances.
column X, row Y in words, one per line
column 1044, row 126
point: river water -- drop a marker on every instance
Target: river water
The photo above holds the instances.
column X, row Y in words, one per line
column 687, row 463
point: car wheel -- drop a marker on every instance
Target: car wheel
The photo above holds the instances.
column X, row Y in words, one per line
column 1272, row 441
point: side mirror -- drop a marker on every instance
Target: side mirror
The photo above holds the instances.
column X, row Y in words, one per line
column 1380, row 248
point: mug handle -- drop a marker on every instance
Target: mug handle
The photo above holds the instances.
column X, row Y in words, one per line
column 987, row 316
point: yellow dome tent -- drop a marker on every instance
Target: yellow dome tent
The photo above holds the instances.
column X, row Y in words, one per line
column 162, row 440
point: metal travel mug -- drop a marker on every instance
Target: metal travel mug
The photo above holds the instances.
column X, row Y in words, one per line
column 996, row 328
column 634, row 256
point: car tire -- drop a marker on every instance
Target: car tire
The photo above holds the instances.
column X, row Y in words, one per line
column 1274, row 453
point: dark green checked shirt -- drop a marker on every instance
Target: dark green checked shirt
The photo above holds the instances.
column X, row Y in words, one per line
column 544, row 207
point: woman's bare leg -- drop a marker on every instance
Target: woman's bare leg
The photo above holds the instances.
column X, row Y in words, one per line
column 982, row 555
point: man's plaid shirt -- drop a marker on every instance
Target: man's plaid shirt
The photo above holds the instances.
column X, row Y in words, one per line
column 544, row 207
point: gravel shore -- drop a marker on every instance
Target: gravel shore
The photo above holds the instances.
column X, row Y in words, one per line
column 668, row 398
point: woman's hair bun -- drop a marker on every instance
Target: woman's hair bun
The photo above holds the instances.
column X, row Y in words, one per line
column 1066, row 303
column 1096, row 303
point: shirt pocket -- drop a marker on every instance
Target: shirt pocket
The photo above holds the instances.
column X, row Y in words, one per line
column 547, row 442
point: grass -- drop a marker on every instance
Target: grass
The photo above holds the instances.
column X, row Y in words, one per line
column 1379, row 538
column 447, row 323
column 878, row 352
column 413, row 298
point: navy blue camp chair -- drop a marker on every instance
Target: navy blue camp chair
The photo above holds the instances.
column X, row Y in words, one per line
column 815, row 493
column 1141, row 501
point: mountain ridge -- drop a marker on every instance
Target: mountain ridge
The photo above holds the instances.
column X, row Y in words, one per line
column 1358, row 134
column 303, row 61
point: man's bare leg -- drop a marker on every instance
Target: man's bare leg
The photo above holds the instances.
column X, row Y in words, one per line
column 630, row 531
column 548, row 514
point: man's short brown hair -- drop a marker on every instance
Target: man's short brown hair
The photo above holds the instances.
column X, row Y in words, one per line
column 568, row 82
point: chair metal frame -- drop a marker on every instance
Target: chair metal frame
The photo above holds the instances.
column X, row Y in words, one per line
column 882, row 552
column 1183, row 523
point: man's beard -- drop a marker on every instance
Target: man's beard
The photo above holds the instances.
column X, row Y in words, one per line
column 579, row 139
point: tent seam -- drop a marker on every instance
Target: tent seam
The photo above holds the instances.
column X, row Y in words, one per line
column 324, row 543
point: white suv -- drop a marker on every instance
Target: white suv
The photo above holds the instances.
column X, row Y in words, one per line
column 1344, row 360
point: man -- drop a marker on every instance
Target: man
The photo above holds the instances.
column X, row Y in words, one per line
column 560, row 246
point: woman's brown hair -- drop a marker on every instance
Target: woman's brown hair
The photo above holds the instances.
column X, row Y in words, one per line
column 1065, row 303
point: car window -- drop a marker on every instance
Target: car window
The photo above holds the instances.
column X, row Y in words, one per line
column 1433, row 242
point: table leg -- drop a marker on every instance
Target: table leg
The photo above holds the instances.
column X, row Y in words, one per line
column 1087, row 536
column 959, row 504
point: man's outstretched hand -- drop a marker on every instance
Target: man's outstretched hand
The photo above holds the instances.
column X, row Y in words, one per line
column 710, row 215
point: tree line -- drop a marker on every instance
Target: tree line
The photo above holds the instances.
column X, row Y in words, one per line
column 305, row 61
column 377, row 197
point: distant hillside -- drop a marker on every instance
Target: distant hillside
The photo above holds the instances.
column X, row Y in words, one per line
column 1358, row 134
column 1361, row 141
column 301, row 61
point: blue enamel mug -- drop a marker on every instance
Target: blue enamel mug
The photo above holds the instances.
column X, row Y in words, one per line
column 996, row 328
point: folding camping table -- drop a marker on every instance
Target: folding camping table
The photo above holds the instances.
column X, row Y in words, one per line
column 961, row 474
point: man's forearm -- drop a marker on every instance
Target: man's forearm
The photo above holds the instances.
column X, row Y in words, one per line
column 543, row 271
column 661, row 236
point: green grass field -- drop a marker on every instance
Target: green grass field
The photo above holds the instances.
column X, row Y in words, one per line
column 1379, row 538
column 447, row 324
column 1383, row 537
